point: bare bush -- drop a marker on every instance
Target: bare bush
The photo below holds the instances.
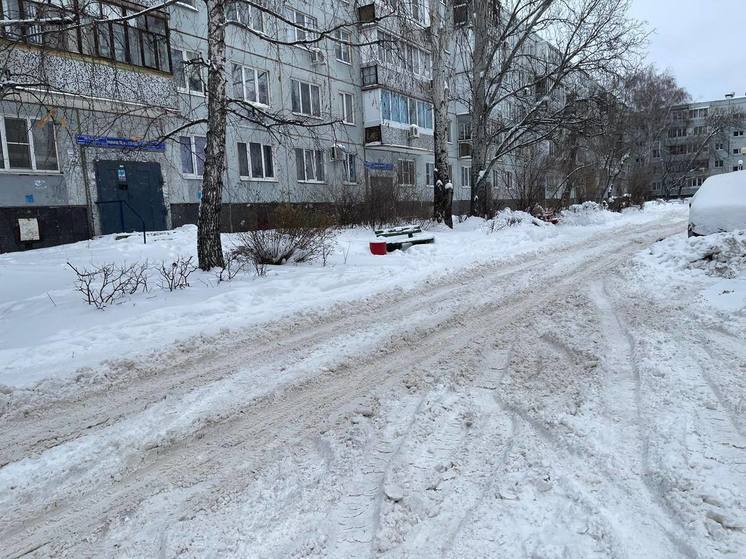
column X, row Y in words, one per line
column 176, row 275
column 102, row 285
column 299, row 236
column 234, row 265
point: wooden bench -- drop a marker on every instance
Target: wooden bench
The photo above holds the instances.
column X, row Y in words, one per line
column 399, row 238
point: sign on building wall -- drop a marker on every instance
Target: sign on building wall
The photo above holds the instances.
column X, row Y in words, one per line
column 111, row 142
column 378, row 166
column 29, row 229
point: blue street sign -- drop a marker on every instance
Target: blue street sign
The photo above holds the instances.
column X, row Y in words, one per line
column 118, row 143
column 378, row 166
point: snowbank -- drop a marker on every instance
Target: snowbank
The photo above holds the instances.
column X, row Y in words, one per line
column 46, row 331
column 714, row 265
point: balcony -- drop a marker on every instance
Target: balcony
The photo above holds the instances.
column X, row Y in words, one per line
column 77, row 29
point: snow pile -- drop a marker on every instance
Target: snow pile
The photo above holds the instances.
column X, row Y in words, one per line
column 587, row 213
column 711, row 269
column 509, row 218
column 720, row 255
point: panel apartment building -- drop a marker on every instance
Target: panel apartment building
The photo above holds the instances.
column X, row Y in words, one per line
column 83, row 106
column 693, row 149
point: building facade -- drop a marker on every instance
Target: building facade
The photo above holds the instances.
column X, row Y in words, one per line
column 83, row 149
column 703, row 139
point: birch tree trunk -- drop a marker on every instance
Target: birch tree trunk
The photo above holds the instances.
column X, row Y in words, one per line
column 441, row 27
column 479, row 109
column 209, row 246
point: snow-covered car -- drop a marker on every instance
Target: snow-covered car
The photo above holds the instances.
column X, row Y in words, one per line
column 719, row 205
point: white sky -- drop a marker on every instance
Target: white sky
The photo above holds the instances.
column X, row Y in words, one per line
column 701, row 42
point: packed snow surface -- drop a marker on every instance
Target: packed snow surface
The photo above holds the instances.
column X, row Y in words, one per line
column 515, row 390
column 46, row 330
column 720, row 204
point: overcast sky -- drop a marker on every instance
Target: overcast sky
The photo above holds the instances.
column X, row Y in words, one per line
column 701, row 42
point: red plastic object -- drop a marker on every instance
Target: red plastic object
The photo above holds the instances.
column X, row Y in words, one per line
column 378, row 248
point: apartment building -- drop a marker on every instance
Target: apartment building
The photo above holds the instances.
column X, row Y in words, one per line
column 695, row 147
column 83, row 150
column 81, row 153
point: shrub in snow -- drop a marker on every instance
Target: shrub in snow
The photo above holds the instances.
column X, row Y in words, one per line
column 104, row 284
column 234, row 265
column 509, row 218
column 620, row 203
column 176, row 274
column 298, row 236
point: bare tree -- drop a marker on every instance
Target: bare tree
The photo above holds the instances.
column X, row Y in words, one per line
column 440, row 35
column 532, row 62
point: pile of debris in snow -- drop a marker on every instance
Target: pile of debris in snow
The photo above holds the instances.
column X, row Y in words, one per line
column 720, row 255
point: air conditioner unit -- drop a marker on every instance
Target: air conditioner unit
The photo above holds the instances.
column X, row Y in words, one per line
column 414, row 131
column 336, row 153
column 318, row 56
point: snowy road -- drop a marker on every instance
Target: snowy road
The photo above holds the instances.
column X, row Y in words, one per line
column 542, row 409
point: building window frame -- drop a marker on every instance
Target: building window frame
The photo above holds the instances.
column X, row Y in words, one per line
column 256, row 161
column 195, row 161
column 305, row 20
column 188, row 66
column 348, row 107
column 29, row 124
column 343, row 47
column 350, row 168
column 309, row 105
column 246, row 15
column 406, row 172
column 312, row 170
column 250, row 76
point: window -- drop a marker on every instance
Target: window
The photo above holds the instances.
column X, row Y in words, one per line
column 370, row 75
column 245, row 14
column 449, row 134
column 464, row 131
column 255, row 161
column 192, row 151
column 309, row 164
column 737, row 133
column 466, row 176
column 430, row 174
column 719, row 146
column 348, row 108
column 28, row 144
column 350, row 165
column 736, row 151
column 140, row 40
column 405, row 110
column 304, row 22
column 343, row 48
column 677, row 133
column 406, row 172
column 188, row 71
column 251, row 85
column 718, row 163
column 306, row 98
column 736, row 168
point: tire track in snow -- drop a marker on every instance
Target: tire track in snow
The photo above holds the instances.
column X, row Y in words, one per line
column 624, row 376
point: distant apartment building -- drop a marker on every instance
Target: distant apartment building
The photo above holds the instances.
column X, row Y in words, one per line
column 694, row 148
